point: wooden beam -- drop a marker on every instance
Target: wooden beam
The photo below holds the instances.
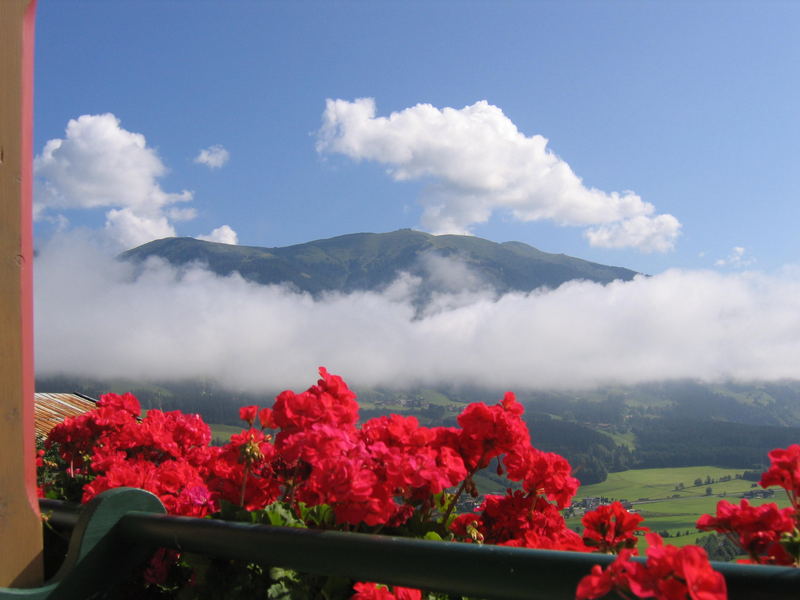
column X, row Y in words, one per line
column 20, row 523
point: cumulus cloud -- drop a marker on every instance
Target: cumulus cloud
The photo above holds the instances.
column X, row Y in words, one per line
column 99, row 164
column 130, row 229
column 648, row 234
column 158, row 322
column 477, row 162
column 737, row 258
column 213, row 156
column 222, row 235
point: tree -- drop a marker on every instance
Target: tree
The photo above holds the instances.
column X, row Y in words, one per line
column 719, row 547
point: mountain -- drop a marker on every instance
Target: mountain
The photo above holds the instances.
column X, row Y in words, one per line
column 369, row 261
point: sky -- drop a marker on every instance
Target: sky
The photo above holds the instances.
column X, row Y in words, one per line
column 661, row 137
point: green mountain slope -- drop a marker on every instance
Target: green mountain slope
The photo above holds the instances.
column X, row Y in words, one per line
column 368, row 261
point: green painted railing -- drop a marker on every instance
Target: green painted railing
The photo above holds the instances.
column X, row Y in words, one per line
column 116, row 531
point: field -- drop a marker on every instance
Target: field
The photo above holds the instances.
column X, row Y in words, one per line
column 222, row 433
column 656, row 494
column 654, row 484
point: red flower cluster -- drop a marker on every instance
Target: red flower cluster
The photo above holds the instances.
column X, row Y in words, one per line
column 768, row 534
column 784, row 472
column 330, row 402
column 242, row 472
column 670, row 573
column 757, row 529
column 543, row 473
column 518, row 519
column 525, row 517
column 165, row 453
column 379, row 475
column 372, row 591
column 489, row 431
column 611, row 528
column 374, row 475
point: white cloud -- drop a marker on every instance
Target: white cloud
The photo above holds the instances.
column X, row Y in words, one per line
column 222, row 235
column 737, row 259
column 161, row 323
column 448, row 273
column 478, row 162
column 98, row 164
column 213, row 156
column 648, row 234
column 130, row 229
column 58, row 221
column 182, row 214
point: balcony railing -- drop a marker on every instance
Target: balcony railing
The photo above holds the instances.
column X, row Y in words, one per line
column 116, row 531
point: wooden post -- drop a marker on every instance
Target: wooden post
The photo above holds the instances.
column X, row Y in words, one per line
column 20, row 524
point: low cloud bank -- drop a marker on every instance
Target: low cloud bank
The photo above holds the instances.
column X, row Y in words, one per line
column 102, row 318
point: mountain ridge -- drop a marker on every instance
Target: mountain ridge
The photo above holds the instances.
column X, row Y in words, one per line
column 371, row 261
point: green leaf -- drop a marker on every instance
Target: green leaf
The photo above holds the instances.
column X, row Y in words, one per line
column 321, row 515
column 280, row 515
column 432, row 535
column 279, row 591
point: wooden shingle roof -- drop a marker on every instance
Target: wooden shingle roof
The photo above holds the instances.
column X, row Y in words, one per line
column 52, row 409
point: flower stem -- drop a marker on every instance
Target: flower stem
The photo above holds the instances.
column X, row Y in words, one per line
column 458, row 493
column 244, row 486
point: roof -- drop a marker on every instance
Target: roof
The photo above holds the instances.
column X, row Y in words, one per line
column 52, row 409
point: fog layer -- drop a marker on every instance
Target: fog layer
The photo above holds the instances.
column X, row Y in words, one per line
column 101, row 318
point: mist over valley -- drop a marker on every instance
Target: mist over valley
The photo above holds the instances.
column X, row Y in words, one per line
column 617, row 369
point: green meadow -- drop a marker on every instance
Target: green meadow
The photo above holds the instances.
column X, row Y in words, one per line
column 656, row 494
column 661, row 483
column 222, row 433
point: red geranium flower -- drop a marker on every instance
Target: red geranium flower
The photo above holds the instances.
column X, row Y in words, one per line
column 373, row 591
column 266, row 419
column 670, row 573
column 610, row 528
column 758, row 529
column 785, row 472
column 248, row 414
column 489, row 431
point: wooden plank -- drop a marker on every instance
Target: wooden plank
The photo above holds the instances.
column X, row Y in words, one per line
column 20, row 524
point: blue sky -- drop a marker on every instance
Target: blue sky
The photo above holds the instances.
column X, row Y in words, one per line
column 662, row 137
column 692, row 106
